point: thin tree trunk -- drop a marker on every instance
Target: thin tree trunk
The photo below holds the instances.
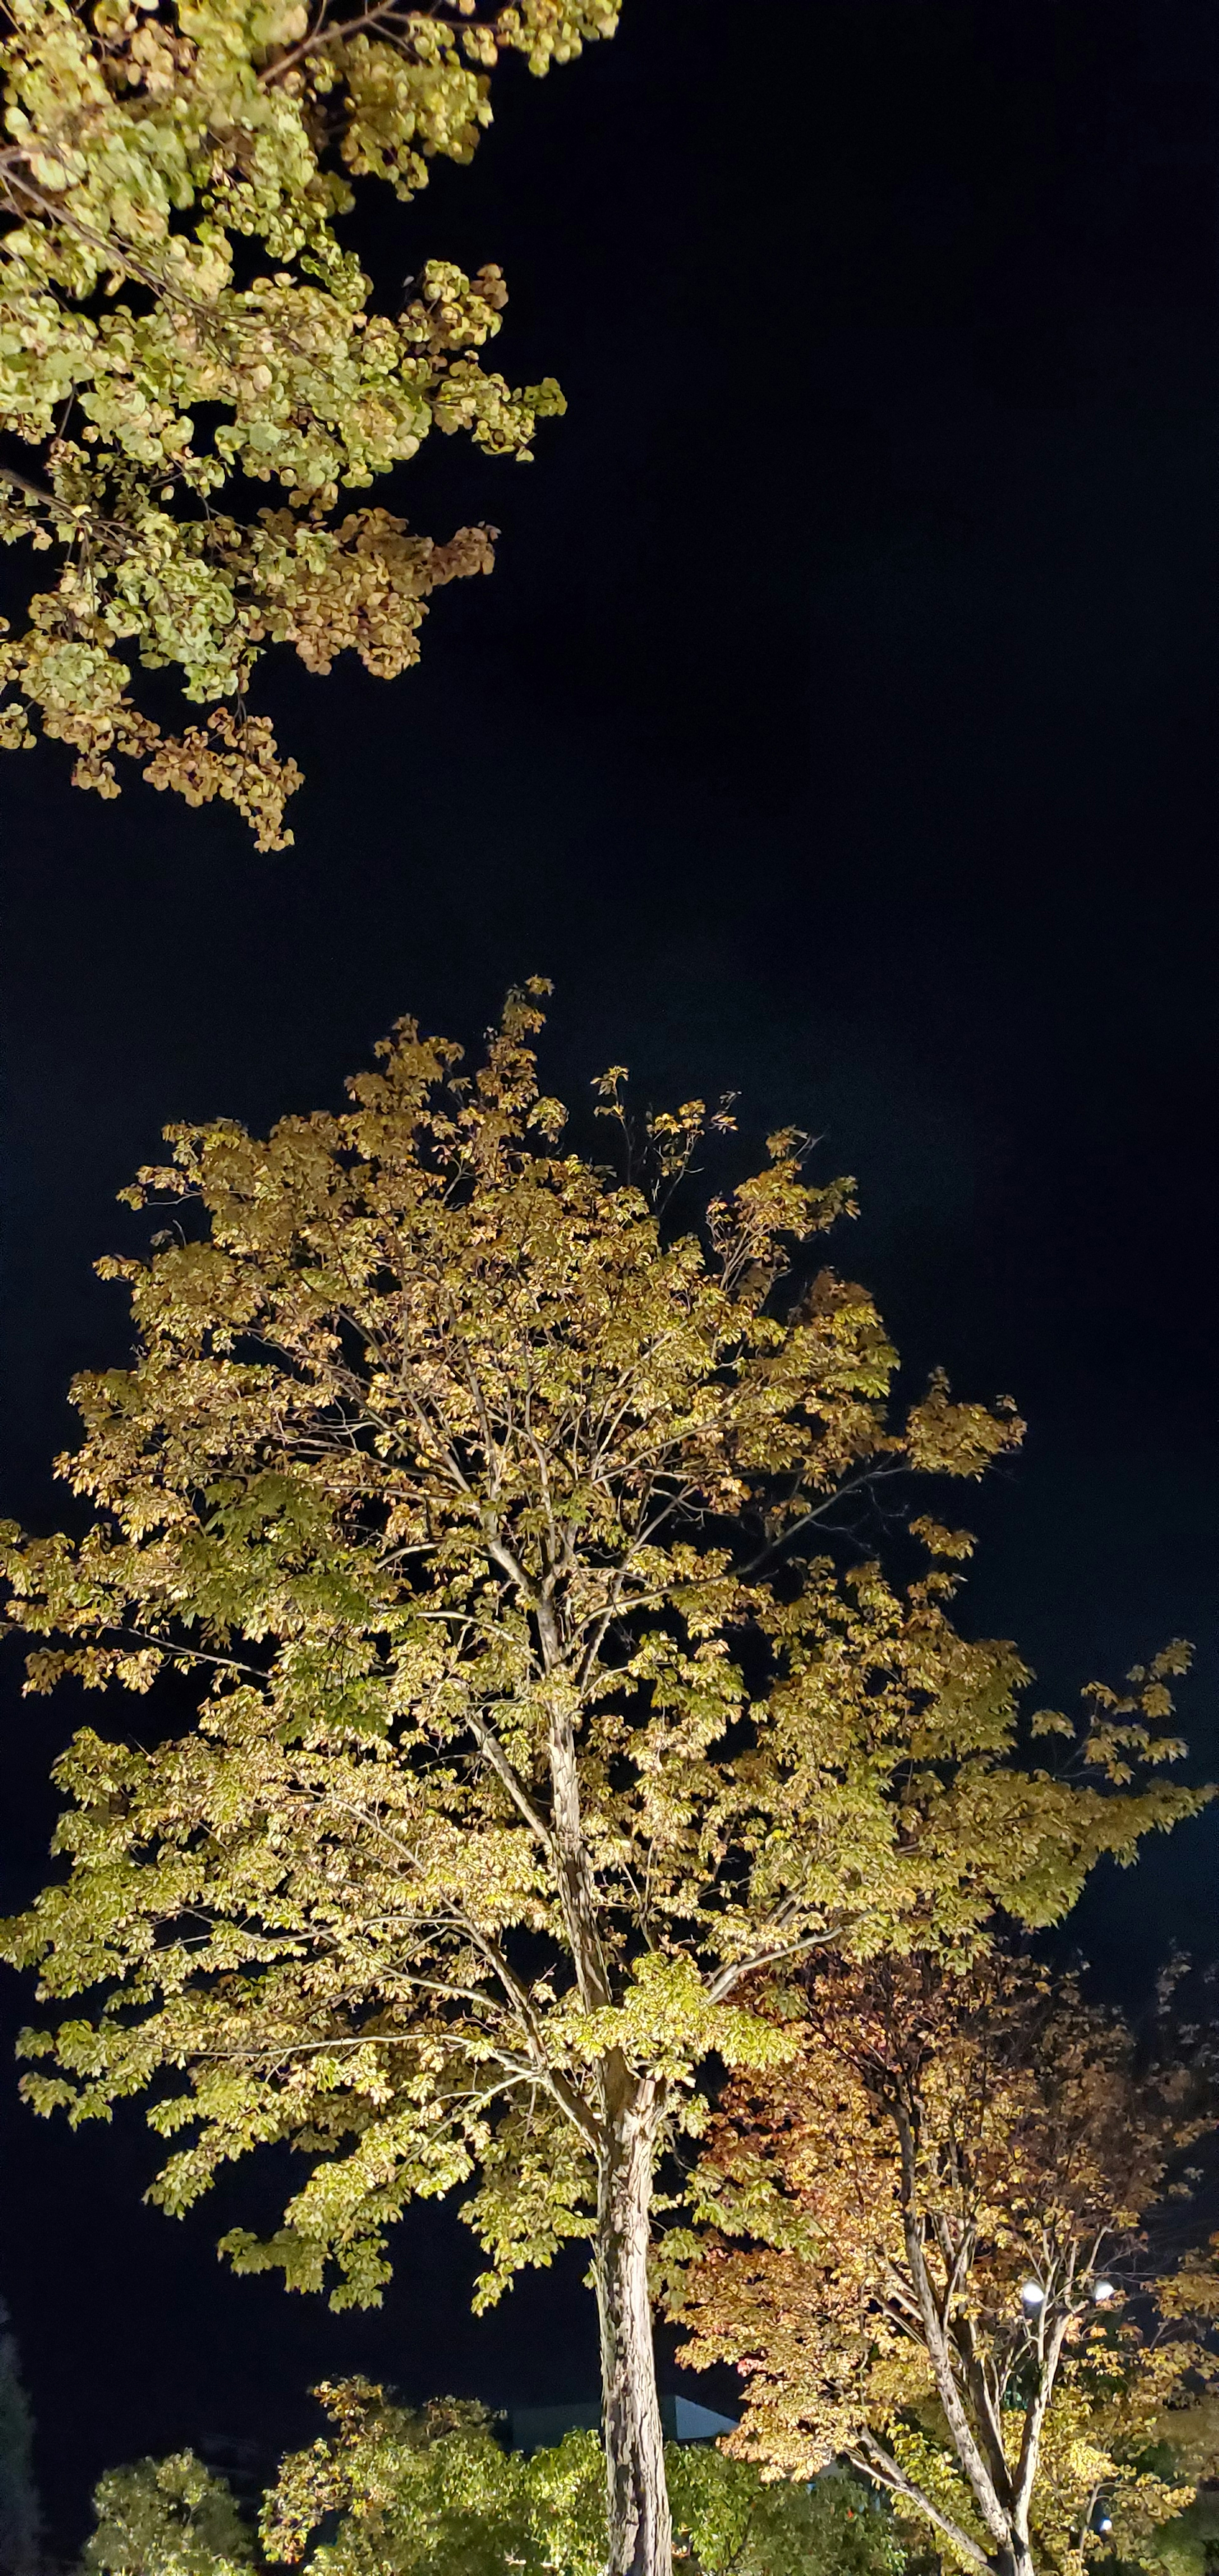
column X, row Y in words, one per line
column 637, row 2500
column 1015, row 2561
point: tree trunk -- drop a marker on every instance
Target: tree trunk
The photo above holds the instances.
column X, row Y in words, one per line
column 637, row 2500
column 1016, row 2560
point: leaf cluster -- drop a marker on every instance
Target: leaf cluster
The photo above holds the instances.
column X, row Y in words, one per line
column 178, row 312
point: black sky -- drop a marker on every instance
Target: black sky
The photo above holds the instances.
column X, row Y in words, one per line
column 840, row 725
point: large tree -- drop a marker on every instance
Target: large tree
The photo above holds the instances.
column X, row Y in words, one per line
column 960, row 2268
column 179, row 316
column 493, row 1512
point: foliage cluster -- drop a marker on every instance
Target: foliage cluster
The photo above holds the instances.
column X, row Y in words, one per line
column 393, row 2492
column 177, row 310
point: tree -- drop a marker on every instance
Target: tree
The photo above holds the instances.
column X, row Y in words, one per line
column 489, row 1511
column 177, row 309
column 19, row 2514
column 950, row 2280
column 396, row 2492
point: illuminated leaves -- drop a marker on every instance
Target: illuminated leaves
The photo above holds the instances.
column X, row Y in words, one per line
column 146, row 145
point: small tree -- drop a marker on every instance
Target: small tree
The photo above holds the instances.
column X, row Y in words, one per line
column 950, row 2281
column 177, row 311
column 486, row 1507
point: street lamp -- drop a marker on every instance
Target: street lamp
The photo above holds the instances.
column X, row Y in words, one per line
column 1032, row 2296
column 1103, row 2291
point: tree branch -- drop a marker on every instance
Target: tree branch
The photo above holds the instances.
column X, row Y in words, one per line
column 878, row 2463
column 990, row 2505
column 732, row 1975
column 22, row 483
column 493, row 1752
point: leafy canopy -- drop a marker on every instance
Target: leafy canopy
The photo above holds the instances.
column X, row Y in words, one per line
column 393, row 2492
column 929, row 2251
column 177, row 311
column 493, row 1516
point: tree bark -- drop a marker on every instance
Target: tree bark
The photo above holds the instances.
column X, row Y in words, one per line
column 637, row 2501
column 1016, row 2560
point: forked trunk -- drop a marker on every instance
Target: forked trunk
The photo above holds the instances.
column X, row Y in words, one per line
column 640, row 2530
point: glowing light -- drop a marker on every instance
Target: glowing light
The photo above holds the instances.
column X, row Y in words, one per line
column 1031, row 2294
column 1105, row 2523
column 1102, row 2291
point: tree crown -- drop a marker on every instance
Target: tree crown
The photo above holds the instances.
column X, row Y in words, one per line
column 494, row 1517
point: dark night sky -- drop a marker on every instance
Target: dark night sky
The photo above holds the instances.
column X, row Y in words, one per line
column 840, row 725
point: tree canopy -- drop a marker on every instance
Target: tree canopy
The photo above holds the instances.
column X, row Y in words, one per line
column 947, row 2274
column 392, row 2490
column 517, row 1538
column 178, row 314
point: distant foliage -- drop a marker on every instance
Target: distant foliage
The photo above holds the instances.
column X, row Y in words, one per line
column 19, row 2516
column 177, row 312
column 734, row 2523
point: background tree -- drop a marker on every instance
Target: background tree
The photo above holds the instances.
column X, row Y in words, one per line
column 950, row 2281
column 19, row 2514
column 177, row 309
column 485, row 1509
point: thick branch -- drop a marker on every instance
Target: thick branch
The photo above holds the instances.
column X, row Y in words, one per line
column 965, row 2443
column 493, row 1753
column 1034, row 2423
column 576, row 1891
column 739, row 1969
column 876, row 2462
column 983, row 2400
column 22, row 483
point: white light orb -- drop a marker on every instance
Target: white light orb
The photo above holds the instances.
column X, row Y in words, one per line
column 1031, row 2294
column 1103, row 2291
column 1105, row 2523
